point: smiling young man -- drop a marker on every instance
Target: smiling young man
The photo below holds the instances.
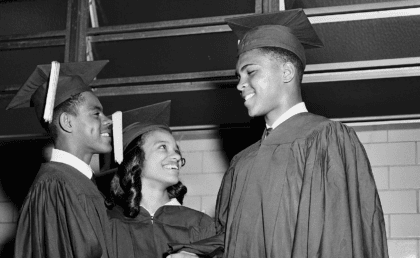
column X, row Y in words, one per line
column 63, row 214
column 306, row 189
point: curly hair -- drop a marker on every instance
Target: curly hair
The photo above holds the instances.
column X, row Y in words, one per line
column 126, row 184
column 284, row 55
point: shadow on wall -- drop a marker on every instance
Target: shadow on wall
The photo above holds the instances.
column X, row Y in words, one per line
column 21, row 160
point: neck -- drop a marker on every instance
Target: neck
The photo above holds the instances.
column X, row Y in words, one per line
column 153, row 198
column 288, row 102
column 62, row 145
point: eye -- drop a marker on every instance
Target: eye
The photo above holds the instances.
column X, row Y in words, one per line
column 251, row 72
column 163, row 146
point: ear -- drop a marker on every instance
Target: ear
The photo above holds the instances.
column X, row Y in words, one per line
column 66, row 122
column 289, row 72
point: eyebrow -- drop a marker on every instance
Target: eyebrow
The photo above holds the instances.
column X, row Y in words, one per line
column 167, row 142
column 99, row 108
column 243, row 68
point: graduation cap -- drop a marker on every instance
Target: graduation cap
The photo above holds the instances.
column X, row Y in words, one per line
column 290, row 30
column 57, row 81
column 130, row 124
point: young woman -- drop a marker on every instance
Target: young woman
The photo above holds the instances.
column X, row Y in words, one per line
column 146, row 197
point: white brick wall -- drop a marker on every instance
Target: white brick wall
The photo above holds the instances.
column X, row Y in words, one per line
column 394, row 153
column 405, row 177
column 403, row 248
column 381, row 176
column 397, row 202
column 385, row 154
column 205, row 165
column 405, row 225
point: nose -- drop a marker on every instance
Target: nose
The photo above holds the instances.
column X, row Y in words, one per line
column 178, row 158
column 241, row 85
column 107, row 121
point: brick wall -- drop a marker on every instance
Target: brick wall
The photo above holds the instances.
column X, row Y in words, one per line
column 393, row 150
column 394, row 153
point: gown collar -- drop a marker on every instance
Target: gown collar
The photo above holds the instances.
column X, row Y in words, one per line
column 71, row 160
column 172, row 202
column 296, row 109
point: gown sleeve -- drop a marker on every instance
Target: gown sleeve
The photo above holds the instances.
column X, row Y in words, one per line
column 342, row 214
column 54, row 223
column 212, row 246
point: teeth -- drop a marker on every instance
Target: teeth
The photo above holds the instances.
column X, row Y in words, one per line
column 104, row 134
column 171, row 166
column 249, row 96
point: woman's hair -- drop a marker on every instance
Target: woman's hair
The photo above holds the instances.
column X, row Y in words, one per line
column 126, row 184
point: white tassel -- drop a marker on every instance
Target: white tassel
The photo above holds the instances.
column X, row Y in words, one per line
column 52, row 88
column 117, row 136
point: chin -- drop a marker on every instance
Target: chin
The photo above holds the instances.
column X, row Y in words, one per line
column 252, row 113
column 105, row 149
column 174, row 182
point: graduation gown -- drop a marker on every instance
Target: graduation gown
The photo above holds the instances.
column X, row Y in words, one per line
column 63, row 215
column 148, row 236
column 307, row 190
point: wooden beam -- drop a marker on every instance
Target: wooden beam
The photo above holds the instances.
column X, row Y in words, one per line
column 218, row 24
column 77, row 18
column 163, row 88
column 314, row 73
column 270, row 6
column 178, row 77
column 93, row 14
column 259, row 6
column 161, row 33
column 162, row 25
column 31, row 44
column 34, row 36
column 393, row 5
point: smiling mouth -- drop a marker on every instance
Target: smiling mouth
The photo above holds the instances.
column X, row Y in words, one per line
column 249, row 96
column 172, row 167
column 105, row 134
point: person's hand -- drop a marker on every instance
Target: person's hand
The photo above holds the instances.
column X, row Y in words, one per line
column 182, row 254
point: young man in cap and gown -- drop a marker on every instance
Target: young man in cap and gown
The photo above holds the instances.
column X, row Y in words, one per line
column 63, row 214
column 306, row 189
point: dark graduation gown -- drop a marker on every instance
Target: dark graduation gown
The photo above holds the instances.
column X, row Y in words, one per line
column 63, row 215
column 307, row 190
column 148, row 237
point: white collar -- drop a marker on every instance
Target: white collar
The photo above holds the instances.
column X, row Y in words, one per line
column 71, row 160
column 172, row 202
column 296, row 109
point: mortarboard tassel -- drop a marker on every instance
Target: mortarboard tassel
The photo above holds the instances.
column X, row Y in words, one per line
column 117, row 136
column 52, row 88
